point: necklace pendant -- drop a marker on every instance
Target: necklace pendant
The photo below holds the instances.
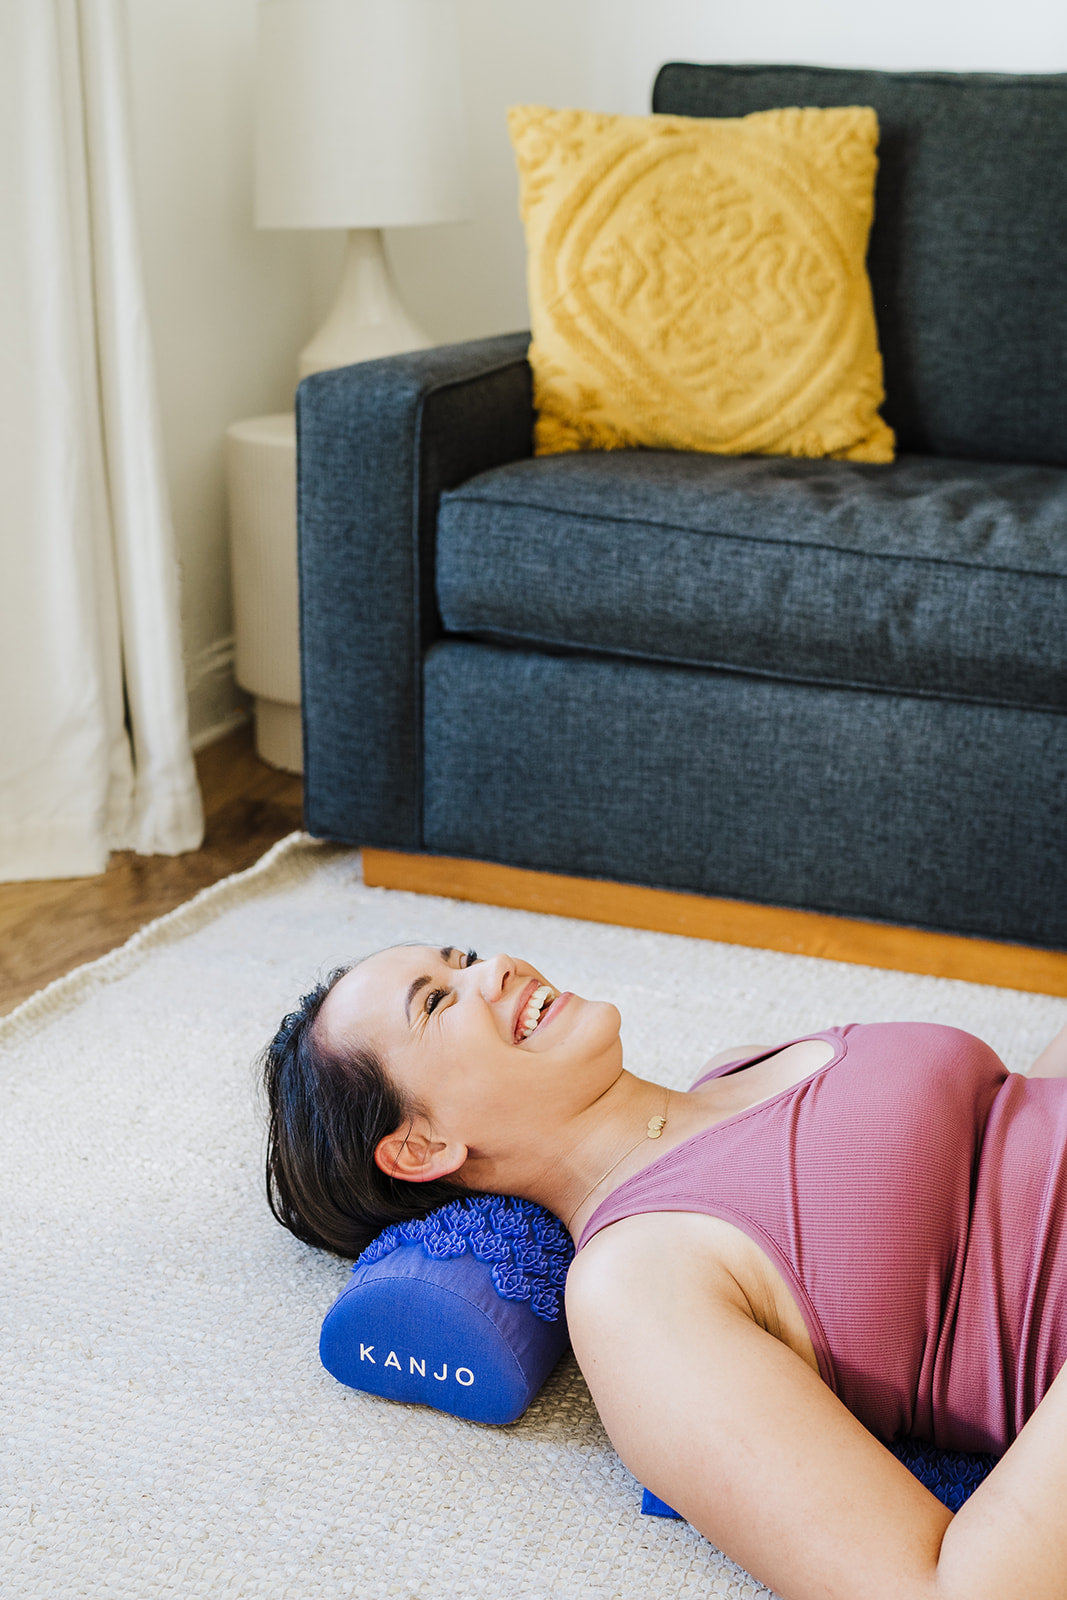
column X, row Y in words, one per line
column 656, row 1126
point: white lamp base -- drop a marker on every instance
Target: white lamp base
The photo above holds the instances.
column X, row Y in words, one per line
column 261, row 475
column 367, row 318
column 279, row 737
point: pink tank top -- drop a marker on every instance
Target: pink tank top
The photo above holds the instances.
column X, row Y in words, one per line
column 913, row 1194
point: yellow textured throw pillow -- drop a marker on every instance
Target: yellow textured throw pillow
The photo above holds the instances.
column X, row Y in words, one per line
column 700, row 283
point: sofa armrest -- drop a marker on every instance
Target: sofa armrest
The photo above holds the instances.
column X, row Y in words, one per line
column 377, row 444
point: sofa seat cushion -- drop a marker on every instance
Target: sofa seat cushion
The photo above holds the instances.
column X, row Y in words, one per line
column 925, row 576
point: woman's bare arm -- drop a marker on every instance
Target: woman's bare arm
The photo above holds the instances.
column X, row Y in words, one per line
column 740, row 1435
column 1052, row 1062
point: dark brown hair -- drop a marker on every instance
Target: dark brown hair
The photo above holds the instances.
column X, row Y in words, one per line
column 328, row 1111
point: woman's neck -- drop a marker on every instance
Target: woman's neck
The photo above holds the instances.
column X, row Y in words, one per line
column 614, row 1138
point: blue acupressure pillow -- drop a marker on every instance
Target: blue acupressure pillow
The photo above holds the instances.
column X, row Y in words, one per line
column 461, row 1310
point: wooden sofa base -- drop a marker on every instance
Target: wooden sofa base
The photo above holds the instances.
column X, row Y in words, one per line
column 808, row 933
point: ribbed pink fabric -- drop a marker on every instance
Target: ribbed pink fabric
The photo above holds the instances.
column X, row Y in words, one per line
column 913, row 1193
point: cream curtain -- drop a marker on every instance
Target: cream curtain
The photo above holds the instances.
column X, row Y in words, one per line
column 94, row 746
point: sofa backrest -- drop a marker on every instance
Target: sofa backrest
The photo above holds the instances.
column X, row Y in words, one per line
column 968, row 253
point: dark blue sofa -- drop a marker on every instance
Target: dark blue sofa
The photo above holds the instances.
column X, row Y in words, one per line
column 809, row 683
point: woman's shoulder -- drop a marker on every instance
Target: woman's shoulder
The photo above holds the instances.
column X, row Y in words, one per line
column 678, row 1266
column 733, row 1053
column 643, row 1254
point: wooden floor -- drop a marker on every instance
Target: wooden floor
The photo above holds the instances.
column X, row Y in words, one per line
column 49, row 927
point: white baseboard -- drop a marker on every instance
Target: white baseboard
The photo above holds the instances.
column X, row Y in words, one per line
column 216, row 704
column 218, row 730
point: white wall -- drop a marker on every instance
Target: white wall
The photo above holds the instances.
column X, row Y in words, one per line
column 231, row 306
column 469, row 279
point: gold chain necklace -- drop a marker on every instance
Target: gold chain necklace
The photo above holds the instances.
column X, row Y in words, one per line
column 655, row 1127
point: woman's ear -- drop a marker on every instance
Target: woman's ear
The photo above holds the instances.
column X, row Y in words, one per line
column 413, row 1154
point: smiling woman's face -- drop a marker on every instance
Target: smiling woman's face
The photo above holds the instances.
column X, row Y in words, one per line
column 497, row 1057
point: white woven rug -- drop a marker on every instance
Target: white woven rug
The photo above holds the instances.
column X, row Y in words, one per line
column 167, row 1428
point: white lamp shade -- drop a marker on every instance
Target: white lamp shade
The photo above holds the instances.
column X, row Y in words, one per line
column 359, row 120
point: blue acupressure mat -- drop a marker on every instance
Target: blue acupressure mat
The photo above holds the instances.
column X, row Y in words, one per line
column 950, row 1474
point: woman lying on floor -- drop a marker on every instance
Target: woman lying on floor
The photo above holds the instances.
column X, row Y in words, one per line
column 862, row 1232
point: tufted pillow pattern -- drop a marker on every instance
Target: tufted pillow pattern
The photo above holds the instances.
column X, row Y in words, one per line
column 700, row 283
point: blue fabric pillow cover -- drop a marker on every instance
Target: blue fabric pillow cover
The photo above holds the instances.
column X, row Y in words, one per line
column 463, row 1311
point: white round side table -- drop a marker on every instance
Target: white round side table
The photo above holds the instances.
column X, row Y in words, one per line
column 261, row 478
